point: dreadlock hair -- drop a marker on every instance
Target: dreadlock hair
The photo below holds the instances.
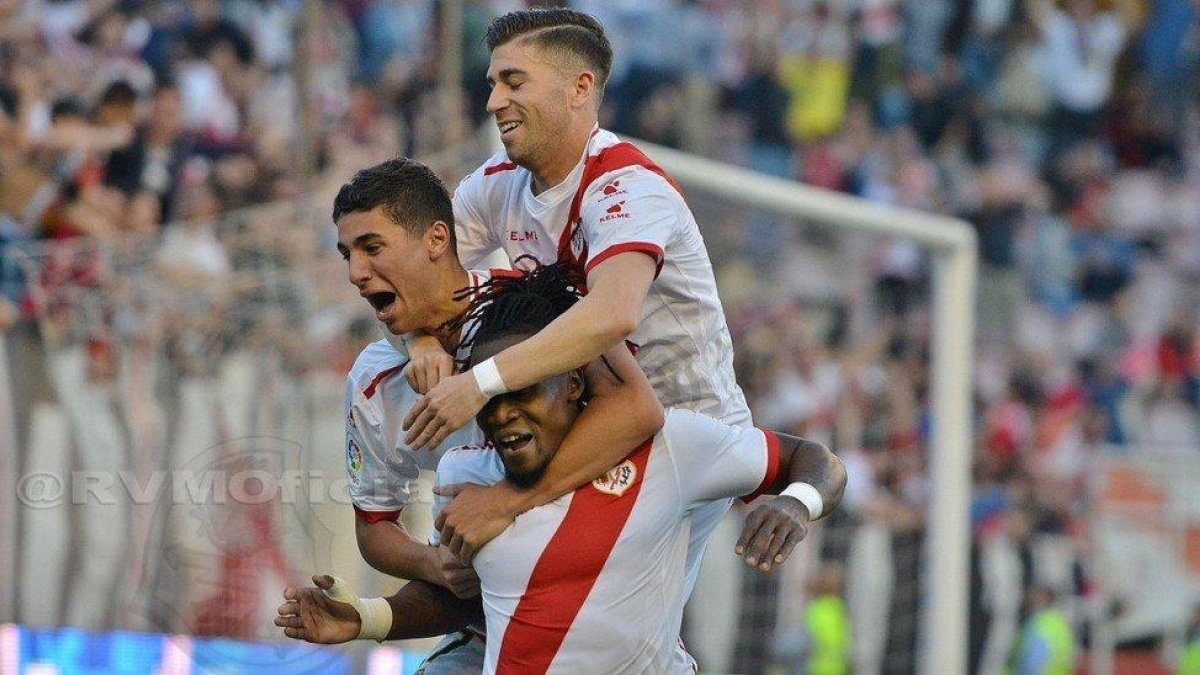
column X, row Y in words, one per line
column 517, row 302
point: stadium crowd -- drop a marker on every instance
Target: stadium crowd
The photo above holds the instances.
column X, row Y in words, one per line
column 1066, row 133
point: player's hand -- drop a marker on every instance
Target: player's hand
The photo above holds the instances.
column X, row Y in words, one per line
column 771, row 531
column 445, row 409
column 475, row 515
column 452, row 573
column 424, row 371
column 310, row 615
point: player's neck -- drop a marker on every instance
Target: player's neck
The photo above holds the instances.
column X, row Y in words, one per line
column 558, row 166
column 449, row 309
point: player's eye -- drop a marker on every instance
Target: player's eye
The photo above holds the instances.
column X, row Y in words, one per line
column 345, row 255
column 372, row 249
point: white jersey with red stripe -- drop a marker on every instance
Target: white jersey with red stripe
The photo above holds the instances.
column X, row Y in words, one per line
column 617, row 200
column 593, row 582
column 380, row 467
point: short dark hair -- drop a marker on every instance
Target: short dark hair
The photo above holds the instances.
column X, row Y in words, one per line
column 411, row 194
column 119, row 92
column 561, row 29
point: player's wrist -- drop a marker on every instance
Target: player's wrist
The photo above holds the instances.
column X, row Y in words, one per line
column 376, row 619
column 431, row 567
column 513, row 500
column 488, row 380
column 807, row 495
column 374, row 614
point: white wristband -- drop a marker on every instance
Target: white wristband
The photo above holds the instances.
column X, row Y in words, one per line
column 376, row 619
column 375, row 613
column 487, row 376
column 808, row 496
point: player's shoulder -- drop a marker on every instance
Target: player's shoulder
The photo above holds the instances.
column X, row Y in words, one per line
column 497, row 171
column 474, row 463
column 685, row 428
column 376, row 361
column 620, row 168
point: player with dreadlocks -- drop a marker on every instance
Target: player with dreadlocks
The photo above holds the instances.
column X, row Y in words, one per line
column 594, row 580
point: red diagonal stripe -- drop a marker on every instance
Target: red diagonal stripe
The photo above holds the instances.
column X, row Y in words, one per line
column 497, row 168
column 609, row 159
column 566, row 572
column 370, row 390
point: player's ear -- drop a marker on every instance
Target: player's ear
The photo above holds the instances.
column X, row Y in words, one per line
column 437, row 240
column 576, row 385
column 585, row 89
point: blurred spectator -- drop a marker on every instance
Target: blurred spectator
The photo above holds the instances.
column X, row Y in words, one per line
column 1189, row 661
column 1082, row 42
column 148, row 168
column 1047, row 646
column 827, row 624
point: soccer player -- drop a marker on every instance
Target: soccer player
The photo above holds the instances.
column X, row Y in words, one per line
column 395, row 230
column 565, row 190
column 593, row 581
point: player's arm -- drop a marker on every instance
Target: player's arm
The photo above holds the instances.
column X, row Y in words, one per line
column 330, row 613
column 378, row 487
column 774, row 527
column 388, row 547
column 601, row 320
column 622, row 413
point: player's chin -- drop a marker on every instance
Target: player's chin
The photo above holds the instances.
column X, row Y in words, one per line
column 522, row 472
column 396, row 325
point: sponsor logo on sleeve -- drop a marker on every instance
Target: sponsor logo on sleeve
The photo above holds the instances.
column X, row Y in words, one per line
column 614, row 212
column 354, row 456
column 618, row 479
column 611, row 190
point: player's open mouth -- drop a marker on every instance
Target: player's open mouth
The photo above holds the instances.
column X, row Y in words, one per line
column 506, row 127
column 382, row 302
column 509, row 442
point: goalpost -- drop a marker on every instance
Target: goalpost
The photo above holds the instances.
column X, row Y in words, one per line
column 944, row 617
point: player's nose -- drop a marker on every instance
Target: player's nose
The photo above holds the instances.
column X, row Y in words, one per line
column 497, row 101
column 359, row 270
column 501, row 411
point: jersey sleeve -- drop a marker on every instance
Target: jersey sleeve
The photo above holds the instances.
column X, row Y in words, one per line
column 630, row 209
column 380, row 478
column 465, row 464
column 475, row 238
column 714, row 460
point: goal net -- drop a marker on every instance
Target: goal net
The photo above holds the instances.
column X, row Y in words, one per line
column 853, row 325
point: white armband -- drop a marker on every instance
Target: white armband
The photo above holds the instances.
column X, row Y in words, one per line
column 487, row 376
column 808, row 496
column 376, row 613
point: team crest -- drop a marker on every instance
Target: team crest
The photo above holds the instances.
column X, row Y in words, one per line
column 578, row 245
column 618, row 479
column 354, row 456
